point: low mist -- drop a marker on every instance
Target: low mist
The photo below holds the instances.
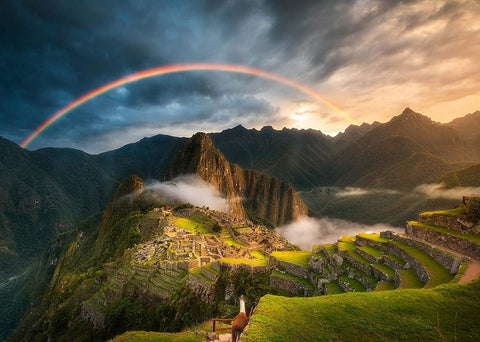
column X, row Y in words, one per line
column 309, row 231
column 191, row 189
column 350, row 192
column 440, row 191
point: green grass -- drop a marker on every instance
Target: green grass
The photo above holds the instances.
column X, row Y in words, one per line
column 385, row 269
column 349, row 247
column 375, row 252
column 437, row 273
column 289, row 276
column 467, row 236
column 333, row 288
column 149, row 336
column 194, row 227
column 198, row 272
column 330, row 247
column 409, row 280
column 258, row 254
column 347, row 239
column 355, row 285
column 456, row 212
column 300, row 258
column 461, row 271
column 446, row 313
column 373, row 237
column 232, row 242
column 398, row 260
column 209, row 267
column 385, row 286
column 253, row 262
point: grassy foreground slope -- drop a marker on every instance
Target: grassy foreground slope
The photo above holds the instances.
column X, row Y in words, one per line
column 449, row 312
column 148, row 336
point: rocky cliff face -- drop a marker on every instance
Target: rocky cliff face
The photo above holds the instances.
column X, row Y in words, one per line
column 249, row 193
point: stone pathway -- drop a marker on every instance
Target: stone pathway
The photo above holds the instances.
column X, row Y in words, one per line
column 221, row 338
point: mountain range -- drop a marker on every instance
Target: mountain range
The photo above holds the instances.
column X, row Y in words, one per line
column 46, row 192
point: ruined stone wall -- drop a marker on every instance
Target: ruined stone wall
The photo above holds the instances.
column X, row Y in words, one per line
column 361, row 241
column 414, row 264
column 289, row 267
column 290, row 286
column 447, row 260
column 442, row 221
column 445, row 240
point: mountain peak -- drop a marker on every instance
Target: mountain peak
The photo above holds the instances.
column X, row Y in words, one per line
column 121, row 201
column 408, row 111
column 408, row 116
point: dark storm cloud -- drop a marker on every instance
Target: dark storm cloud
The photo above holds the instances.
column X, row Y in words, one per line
column 54, row 52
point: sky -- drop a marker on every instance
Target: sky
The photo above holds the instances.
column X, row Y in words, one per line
column 370, row 58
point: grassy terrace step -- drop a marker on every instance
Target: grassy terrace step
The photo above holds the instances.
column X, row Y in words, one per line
column 252, row 262
column 372, row 280
column 374, row 252
column 291, row 277
column 191, row 225
column 436, row 272
column 169, row 279
column 446, row 313
column 409, row 280
column 330, row 247
column 258, row 254
column 300, row 258
column 472, row 237
column 235, row 243
column 385, row 286
column 355, row 285
column 396, row 259
column 175, row 274
column 197, row 271
column 373, row 237
column 157, row 287
column 333, row 288
column 455, row 212
column 349, row 248
column 385, row 269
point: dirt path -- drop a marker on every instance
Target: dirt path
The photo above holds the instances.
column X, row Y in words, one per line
column 471, row 273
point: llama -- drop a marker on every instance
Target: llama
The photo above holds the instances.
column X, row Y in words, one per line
column 239, row 322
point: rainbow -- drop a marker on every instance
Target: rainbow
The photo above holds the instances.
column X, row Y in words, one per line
column 169, row 69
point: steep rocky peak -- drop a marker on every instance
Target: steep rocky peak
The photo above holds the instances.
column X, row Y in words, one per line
column 263, row 196
column 409, row 116
column 200, row 139
column 129, row 185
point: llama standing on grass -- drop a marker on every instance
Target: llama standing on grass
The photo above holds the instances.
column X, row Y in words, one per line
column 239, row 322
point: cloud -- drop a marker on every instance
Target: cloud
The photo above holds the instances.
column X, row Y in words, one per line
column 308, row 231
column 191, row 189
column 351, row 192
column 441, row 191
column 357, row 52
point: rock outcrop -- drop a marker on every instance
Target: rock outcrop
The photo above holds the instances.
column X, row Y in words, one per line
column 121, row 201
column 249, row 193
